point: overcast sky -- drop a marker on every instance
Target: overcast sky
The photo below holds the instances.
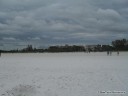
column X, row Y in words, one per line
column 52, row 22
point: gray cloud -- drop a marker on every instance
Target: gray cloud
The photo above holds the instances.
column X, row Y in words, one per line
column 45, row 22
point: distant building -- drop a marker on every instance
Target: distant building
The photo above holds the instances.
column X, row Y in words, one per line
column 90, row 47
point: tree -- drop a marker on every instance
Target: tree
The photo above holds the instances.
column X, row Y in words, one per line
column 119, row 44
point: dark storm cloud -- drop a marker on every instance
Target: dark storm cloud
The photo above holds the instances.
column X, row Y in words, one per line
column 45, row 22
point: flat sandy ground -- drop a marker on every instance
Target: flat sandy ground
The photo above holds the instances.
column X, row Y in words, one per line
column 64, row 74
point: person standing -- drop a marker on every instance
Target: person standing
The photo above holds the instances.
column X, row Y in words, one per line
column 107, row 52
column 118, row 53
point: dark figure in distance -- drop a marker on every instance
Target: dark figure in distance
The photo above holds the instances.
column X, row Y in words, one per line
column 107, row 52
column 118, row 53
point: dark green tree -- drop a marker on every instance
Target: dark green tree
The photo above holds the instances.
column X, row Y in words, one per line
column 119, row 44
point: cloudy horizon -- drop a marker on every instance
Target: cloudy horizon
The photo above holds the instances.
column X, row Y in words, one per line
column 53, row 22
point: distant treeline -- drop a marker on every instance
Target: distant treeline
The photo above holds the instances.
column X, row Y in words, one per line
column 117, row 45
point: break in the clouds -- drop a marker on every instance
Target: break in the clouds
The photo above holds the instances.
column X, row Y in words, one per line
column 47, row 22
